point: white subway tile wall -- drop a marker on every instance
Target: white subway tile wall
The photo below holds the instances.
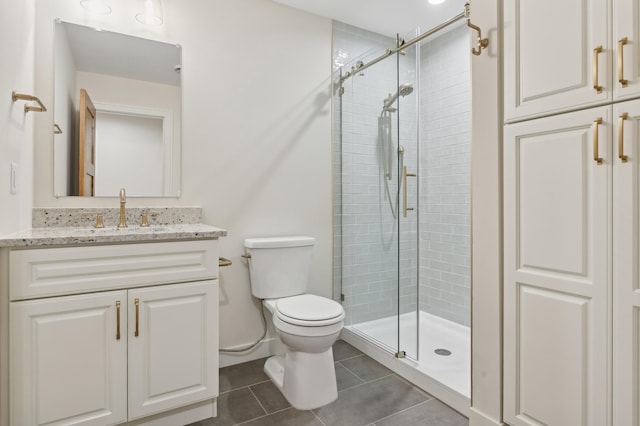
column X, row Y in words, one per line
column 368, row 257
column 445, row 173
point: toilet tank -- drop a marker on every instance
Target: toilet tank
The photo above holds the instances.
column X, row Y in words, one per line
column 279, row 266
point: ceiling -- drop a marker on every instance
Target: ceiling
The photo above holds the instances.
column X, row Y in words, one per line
column 120, row 55
column 386, row 17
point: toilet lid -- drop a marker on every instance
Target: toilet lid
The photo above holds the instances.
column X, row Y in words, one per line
column 309, row 310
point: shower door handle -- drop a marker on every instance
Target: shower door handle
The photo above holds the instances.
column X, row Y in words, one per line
column 404, row 190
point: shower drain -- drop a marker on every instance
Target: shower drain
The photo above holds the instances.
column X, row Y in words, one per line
column 443, row 352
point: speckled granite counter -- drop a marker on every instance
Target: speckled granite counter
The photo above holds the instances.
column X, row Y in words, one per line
column 71, row 235
column 66, row 226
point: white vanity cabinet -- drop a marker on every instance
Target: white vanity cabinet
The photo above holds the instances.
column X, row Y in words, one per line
column 113, row 334
column 67, row 365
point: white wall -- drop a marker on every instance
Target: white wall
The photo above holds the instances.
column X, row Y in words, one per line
column 136, row 95
column 141, row 170
column 486, row 218
column 256, row 129
column 16, row 127
column 16, row 145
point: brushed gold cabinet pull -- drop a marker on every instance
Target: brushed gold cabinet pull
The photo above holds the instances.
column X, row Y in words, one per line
column 621, row 119
column 596, row 123
column 621, row 79
column 137, row 332
column 596, row 86
column 404, row 186
column 117, row 320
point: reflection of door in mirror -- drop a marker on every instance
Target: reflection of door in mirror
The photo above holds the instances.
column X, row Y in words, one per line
column 135, row 86
column 86, row 146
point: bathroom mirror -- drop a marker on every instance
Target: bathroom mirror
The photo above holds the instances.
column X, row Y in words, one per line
column 117, row 114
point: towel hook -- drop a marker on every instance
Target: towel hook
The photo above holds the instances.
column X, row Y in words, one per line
column 482, row 42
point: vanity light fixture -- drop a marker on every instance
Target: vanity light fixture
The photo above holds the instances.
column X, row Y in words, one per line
column 436, row 1
column 151, row 12
column 97, row 6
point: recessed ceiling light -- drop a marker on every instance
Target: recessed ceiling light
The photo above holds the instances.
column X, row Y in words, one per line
column 436, row 1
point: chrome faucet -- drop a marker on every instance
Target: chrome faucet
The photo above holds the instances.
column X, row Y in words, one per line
column 123, row 201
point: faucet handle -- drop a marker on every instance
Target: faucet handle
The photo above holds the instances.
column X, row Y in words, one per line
column 99, row 222
column 144, row 222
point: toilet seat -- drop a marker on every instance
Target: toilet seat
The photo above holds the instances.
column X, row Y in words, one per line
column 319, row 316
column 308, row 310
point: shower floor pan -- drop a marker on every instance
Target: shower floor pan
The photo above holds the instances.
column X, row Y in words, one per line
column 445, row 376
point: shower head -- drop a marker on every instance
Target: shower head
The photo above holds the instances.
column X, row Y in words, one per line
column 403, row 90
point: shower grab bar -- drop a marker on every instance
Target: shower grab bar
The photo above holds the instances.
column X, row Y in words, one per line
column 15, row 96
column 404, row 190
column 358, row 69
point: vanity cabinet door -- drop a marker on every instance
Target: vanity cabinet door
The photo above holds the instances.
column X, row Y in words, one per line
column 173, row 349
column 68, row 363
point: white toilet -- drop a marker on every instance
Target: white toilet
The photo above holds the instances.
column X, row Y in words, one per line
column 307, row 325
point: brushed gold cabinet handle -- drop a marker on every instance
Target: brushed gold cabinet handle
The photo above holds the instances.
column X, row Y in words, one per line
column 137, row 303
column 117, row 320
column 596, row 123
column 621, row 119
column 621, row 79
column 404, row 186
column 596, row 86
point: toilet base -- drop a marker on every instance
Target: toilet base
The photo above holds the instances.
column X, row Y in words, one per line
column 307, row 380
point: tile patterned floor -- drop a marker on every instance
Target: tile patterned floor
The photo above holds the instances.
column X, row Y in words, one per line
column 368, row 395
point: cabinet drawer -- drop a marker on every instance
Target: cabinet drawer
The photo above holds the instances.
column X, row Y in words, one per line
column 55, row 271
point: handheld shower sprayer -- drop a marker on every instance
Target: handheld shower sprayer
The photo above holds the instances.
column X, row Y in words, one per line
column 403, row 90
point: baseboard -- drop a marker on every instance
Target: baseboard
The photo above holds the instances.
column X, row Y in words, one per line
column 477, row 418
column 266, row 348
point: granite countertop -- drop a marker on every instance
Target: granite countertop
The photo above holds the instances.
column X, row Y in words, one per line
column 37, row 237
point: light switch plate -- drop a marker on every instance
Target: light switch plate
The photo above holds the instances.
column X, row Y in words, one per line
column 13, row 179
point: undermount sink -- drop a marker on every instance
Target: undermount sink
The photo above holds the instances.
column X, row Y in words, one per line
column 113, row 230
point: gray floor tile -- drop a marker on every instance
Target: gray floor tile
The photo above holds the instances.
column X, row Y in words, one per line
column 430, row 413
column 270, row 397
column 366, row 368
column 235, row 407
column 240, row 375
column 364, row 404
column 343, row 350
column 288, row 417
column 346, row 378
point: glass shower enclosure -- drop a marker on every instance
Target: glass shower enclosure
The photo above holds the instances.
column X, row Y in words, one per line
column 402, row 199
column 378, row 200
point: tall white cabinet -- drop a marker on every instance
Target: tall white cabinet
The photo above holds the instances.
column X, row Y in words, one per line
column 556, row 258
column 572, row 213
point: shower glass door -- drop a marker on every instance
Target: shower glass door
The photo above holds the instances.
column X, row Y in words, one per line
column 407, row 135
column 379, row 246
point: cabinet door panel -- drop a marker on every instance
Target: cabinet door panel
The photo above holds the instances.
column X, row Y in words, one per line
column 556, row 280
column 172, row 361
column 626, row 16
column 549, row 57
column 67, row 366
column 626, row 251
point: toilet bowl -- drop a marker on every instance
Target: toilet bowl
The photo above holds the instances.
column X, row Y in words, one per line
column 308, row 325
column 305, row 373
